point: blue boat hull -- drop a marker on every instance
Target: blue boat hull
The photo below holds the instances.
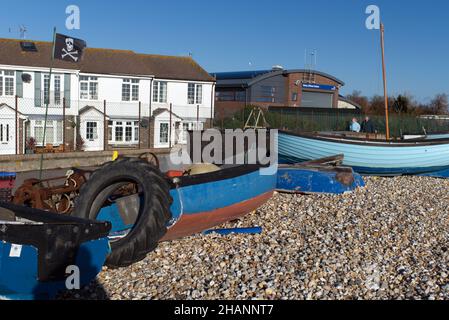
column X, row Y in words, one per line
column 304, row 180
column 384, row 159
column 205, row 201
column 35, row 256
column 19, row 275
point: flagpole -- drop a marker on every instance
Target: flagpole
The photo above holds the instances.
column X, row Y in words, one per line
column 48, row 100
column 387, row 125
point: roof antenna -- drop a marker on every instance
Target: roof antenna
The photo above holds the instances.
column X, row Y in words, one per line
column 23, row 31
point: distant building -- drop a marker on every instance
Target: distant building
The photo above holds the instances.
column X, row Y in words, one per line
column 277, row 87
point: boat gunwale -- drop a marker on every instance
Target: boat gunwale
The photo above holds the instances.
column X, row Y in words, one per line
column 222, row 174
column 365, row 142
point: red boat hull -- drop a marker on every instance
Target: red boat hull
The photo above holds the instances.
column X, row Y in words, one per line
column 190, row 224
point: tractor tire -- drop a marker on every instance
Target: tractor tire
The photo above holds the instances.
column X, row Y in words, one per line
column 154, row 211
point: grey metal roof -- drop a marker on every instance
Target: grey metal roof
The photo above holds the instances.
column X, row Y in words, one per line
column 248, row 78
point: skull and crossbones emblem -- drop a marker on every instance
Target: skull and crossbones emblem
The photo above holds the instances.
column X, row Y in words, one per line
column 69, row 50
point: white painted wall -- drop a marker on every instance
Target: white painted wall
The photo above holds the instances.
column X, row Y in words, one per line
column 97, row 143
column 110, row 89
column 177, row 95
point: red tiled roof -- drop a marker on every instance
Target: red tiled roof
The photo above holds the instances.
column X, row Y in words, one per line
column 106, row 61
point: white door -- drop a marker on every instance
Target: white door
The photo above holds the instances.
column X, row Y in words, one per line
column 162, row 132
column 183, row 134
column 92, row 134
column 7, row 136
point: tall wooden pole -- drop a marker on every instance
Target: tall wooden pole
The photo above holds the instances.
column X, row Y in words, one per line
column 105, row 128
column 140, row 119
column 169, row 129
column 17, row 135
column 63, row 124
column 387, row 125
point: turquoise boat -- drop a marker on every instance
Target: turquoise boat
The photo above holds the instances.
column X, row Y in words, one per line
column 370, row 157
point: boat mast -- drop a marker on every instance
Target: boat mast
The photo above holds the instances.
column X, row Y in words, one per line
column 387, row 125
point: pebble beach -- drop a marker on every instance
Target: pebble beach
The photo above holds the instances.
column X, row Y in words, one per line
column 389, row 240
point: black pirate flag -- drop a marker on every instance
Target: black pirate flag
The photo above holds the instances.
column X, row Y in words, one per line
column 68, row 48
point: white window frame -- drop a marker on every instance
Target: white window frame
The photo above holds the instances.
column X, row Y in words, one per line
column 54, row 98
column 57, row 131
column 160, row 133
column 133, row 86
column 197, row 93
column 125, row 126
column 158, row 88
column 193, row 125
column 4, row 133
column 90, row 83
column 9, row 75
column 91, row 130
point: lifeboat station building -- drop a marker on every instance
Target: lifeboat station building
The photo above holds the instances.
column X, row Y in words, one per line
column 277, row 87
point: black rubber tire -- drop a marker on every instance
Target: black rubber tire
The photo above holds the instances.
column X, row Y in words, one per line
column 154, row 211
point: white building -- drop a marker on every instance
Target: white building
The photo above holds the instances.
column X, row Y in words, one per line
column 112, row 98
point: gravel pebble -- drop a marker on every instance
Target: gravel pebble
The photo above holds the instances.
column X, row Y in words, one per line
column 386, row 241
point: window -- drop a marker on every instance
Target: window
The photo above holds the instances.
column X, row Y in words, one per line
column 50, row 133
column 199, row 94
column 57, row 89
column 230, row 95
column 160, row 92
column 123, row 131
column 88, row 88
column 240, row 96
column 266, row 94
column 7, row 83
column 130, row 90
column 39, row 131
column 59, row 130
column 225, row 96
column 118, row 131
column 195, row 93
column 91, row 130
column 136, row 130
column 110, row 126
column 50, row 96
column 53, row 133
column 4, row 133
column 128, row 131
column 46, row 89
column 163, row 133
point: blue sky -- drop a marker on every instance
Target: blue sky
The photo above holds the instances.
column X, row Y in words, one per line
column 257, row 34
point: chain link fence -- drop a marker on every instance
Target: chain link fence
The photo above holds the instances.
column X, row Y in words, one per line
column 27, row 126
column 310, row 120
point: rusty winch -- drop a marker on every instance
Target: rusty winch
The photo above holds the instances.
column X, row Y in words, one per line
column 58, row 194
column 55, row 194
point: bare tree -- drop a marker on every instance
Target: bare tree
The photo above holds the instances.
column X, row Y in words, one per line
column 439, row 104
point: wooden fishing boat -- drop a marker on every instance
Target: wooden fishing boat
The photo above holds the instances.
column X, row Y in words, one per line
column 146, row 206
column 325, row 175
column 202, row 201
column 165, row 208
column 37, row 247
column 376, row 157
